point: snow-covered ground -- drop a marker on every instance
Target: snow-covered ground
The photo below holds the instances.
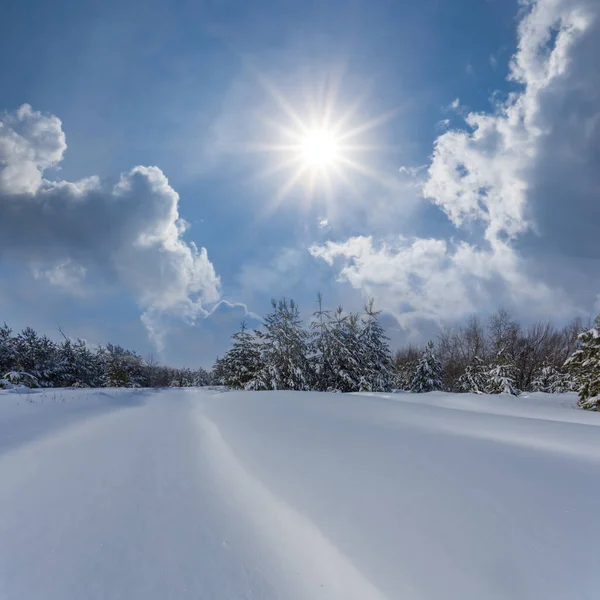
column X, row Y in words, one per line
column 280, row 495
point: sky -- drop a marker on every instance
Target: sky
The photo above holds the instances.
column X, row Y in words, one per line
column 168, row 168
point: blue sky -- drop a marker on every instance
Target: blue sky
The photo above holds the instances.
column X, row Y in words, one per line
column 440, row 214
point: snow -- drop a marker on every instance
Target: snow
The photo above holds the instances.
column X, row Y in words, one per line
column 140, row 494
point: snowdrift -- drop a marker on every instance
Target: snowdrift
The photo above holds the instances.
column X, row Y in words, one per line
column 141, row 494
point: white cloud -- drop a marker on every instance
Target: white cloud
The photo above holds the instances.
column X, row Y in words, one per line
column 129, row 232
column 527, row 173
column 29, row 143
column 484, row 173
column 66, row 275
column 436, row 280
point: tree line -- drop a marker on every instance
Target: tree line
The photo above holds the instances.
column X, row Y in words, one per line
column 336, row 352
column 349, row 352
column 339, row 352
column 501, row 356
column 32, row 360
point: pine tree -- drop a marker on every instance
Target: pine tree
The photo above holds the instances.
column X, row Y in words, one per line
column 65, row 366
column 201, row 377
column 335, row 350
column 428, row 374
column 88, row 370
column 320, row 347
column 243, row 361
column 284, row 356
column 584, row 364
column 376, row 358
column 501, row 376
column 123, row 368
column 182, row 378
column 346, row 352
column 473, row 380
column 36, row 356
column 552, row 381
column 218, row 372
column 8, row 353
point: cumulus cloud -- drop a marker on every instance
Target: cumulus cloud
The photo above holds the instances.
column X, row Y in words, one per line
column 526, row 174
column 129, row 231
column 435, row 280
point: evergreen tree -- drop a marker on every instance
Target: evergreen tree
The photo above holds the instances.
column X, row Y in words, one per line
column 553, row 381
column 376, row 358
column 182, row 378
column 474, row 379
column 345, row 352
column 428, row 374
column 284, row 356
column 335, row 350
column 218, row 372
column 88, row 371
column 123, row 368
column 36, row 356
column 243, row 361
column 584, row 364
column 320, row 347
column 201, row 377
column 501, row 376
column 8, row 352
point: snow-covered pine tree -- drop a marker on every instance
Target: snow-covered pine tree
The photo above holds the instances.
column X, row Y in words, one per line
column 217, row 375
column 584, row 364
column 66, row 365
column 8, row 354
column 243, row 361
column 320, row 347
column 428, row 374
column 284, row 357
column 376, row 358
column 403, row 376
column 201, row 377
column 345, row 352
column 182, row 378
column 501, row 376
column 552, row 381
column 37, row 356
column 124, row 368
column 474, row 379
column 542, row 381
column 335, row 350
column 26, row 346
column 88, row 366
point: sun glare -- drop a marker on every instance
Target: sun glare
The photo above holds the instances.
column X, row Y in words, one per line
column 320, row 149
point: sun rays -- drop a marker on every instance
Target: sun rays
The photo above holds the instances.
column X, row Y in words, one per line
column 318, row 146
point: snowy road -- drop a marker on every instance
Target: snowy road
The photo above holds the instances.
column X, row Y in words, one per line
column 196, row 494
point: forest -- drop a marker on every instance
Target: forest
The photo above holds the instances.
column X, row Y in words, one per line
column 337, row 351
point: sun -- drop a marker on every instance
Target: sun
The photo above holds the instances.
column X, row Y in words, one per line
column 320, row 149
